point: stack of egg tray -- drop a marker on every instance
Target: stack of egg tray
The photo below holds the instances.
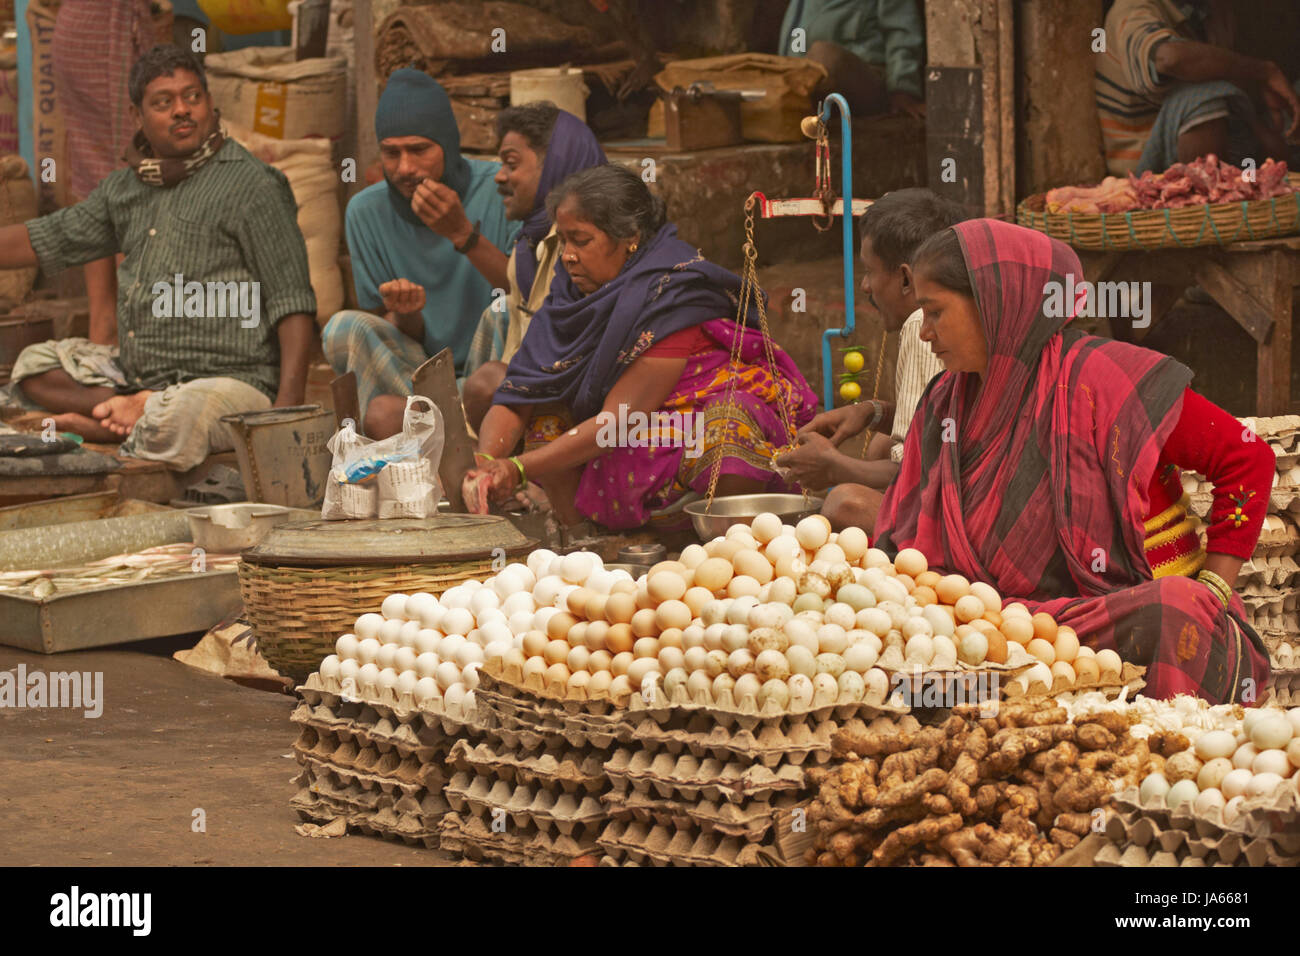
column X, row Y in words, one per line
column 1267, row 833
column 699, row 786
column 529, row 791
column 1269, row 583
column 379, row 764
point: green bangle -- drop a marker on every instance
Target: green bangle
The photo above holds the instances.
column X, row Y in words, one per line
column 480, row 454
column 523, row 478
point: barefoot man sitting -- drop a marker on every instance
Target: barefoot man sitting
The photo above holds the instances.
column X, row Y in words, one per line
column 215, row 307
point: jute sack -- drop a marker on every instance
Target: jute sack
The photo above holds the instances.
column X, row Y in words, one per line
column 315, row 184
column 265, row 90
column 787, row 80
column 17, row 204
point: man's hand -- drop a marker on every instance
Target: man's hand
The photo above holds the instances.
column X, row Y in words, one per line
column 900, row 102
column 814, row 463
column 439, row 208
column 402, row 296
column 1280, row 98
column 839, row 423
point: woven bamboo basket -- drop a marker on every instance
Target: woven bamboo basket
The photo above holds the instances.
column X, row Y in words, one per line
column 1147, row 229
column 308, row 582
column 299, row 613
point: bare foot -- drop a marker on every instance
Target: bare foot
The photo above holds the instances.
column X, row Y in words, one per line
column 120, row 413
column 87, row 428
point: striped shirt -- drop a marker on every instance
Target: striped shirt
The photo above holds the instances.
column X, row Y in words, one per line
column 1127, row 86
column 232, row 221
column 916, row 366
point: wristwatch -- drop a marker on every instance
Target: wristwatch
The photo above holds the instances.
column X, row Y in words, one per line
column 469, row 243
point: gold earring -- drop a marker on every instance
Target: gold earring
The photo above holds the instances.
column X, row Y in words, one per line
column 632, row 248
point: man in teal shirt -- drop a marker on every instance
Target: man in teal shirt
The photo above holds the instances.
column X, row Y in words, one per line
column 426, row 251
column 873, row 50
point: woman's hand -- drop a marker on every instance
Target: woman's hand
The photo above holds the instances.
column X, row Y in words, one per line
column 840, row 424
column 493, row 482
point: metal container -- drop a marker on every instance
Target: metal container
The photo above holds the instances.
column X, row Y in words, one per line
column 643, row 554
column 80, row 542
column 636, row 570
column 283, row 458
column 229, row 528
column 712, row 520
column 87, row 507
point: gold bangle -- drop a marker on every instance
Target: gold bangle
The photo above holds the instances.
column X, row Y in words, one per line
column 1219, row 585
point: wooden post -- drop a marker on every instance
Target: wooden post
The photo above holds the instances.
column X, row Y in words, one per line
column 367, row 90
column 970, row 103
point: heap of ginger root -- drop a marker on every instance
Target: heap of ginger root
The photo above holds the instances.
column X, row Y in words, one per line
column 1017, row 789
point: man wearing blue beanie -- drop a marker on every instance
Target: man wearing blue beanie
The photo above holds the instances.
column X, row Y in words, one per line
column 426, row 251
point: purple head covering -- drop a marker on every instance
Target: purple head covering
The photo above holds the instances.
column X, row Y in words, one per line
column 572, row 147
column 578, row 346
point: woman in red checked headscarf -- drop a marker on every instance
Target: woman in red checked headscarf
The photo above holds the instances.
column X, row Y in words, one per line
column 1047, row 462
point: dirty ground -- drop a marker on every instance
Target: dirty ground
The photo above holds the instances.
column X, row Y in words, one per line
column 121, row 789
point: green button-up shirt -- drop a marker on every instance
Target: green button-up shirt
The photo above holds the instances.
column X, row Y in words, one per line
column 232, row 221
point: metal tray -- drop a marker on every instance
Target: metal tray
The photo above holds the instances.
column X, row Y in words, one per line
column 117, row 615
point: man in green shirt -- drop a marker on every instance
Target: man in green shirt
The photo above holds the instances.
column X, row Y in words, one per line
column 215, row 306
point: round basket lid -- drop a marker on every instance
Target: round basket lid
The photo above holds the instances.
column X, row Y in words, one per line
column 446, row 537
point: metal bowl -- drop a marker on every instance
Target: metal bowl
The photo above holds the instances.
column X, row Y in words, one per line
column 711, row 520
column 230, row 528
column 644, row 554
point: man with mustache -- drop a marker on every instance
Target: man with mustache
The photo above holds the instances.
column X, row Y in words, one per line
column 193, row 208
column 426, row 251
column 541, row 146
column 893, row 228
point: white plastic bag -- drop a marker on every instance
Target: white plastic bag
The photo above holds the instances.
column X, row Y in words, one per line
column 393, row 478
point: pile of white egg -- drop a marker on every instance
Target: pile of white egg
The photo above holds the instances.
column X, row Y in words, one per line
column 793, row 617
column 1234, row 762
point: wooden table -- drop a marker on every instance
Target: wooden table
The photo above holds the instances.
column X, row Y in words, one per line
column 1252, row 281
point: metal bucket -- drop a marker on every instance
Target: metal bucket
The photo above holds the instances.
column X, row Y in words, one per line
column 283, row 458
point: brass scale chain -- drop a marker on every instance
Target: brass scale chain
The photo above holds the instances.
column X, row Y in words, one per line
column 750, row 291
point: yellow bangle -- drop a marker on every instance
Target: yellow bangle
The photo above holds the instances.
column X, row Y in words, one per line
column 523, row 478
column 481, row 454
column 1219, row 585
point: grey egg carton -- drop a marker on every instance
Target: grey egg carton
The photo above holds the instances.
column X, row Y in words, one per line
column 386, row 822
column 1273, row 818
column 472, row 836
column 699, row 779
column 342, row 747
column 570, row 814
column 518, row 725
column 1278, row 572
column 652, row 845
column 771, row 746
column 557, row 768
column 750, row 821
column 746, row 715
column 387, row 704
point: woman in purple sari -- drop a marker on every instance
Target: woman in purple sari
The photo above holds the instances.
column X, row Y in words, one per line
column 635, row 379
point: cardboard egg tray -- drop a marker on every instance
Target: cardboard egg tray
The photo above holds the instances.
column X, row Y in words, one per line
column 670, row 775
column 697, row 734
column 369, row 812
column 1285, row 686
column 1280, row 572
column 751, row 821
column 399, row 710
column 1280, row 537
column 473, row 837
column 523, row 728
column 653, row 845
column 1266, row 832
column 568, row 813
column 386, row 770
column 557, row 768
column 661, row 709
column 512, row 675
column 1271, row 601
